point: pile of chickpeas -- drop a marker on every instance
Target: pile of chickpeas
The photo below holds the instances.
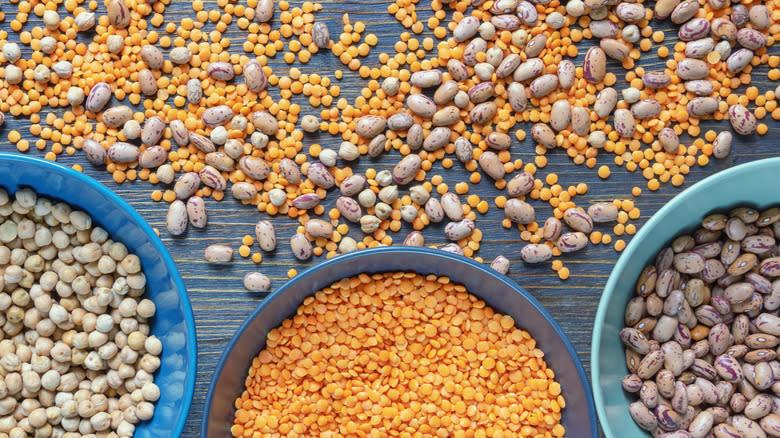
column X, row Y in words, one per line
column 76, row 355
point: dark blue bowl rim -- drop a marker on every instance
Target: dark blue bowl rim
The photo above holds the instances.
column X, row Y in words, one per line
column 401, row 250
column 189, row 319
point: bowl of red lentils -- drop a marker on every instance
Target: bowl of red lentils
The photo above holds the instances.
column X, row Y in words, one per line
column 394, row 341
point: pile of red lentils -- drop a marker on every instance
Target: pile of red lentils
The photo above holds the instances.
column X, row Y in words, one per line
column 181, row 105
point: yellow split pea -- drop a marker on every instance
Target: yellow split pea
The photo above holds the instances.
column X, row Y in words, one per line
column 398, row 354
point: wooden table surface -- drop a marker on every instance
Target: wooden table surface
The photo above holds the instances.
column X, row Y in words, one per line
column 220, row 302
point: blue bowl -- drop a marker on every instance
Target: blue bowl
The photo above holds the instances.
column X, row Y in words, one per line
column 498, row 291
column 173, row 324
column 738, row 186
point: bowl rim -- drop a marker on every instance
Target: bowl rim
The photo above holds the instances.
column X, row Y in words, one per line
column 189, row 319
column 455, row 258
column 644, row 232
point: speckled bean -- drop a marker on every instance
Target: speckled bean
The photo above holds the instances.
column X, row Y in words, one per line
column 656, row 79
column 472, row 49
column 517, row 97
column 152, row 57
column 147, row 82
column 689, row 262
column 603, row 29
column 406, row 169
column 543, row 85
column 220, row 71
column 624, row 123
column 700, row 87
column 500, row 264
column 415, row 238
column 194, row 91
column 536, row 253
column 694, row 29
column 154, row 127
column 560, row 115
column 211, row 177
column 421, row 105
column 186, row 185
column 759, row 16
column 615, row 49
column 94, row 151
column 243, row 191
column 444, row 93
column 552, row 229
column 321, row 176
column 543, row 134
column 527, row 13
column 520, row 184
column 578, row 219
column 459, row 230
column 646, row 109
column 254, row 167
column 519, row 211
column 118, row 13
column 699, row 48
column 483, row 113
column 98, row 97
column 121, row 152
column 434, row 210
column 481, row 92
column 603, row 212
column 265, row 122
column 306, row 201
column 739, row 60
column 570, row 242
column 702, row 106
column 742, row 119
column 349, row 208
column 692, row 69
column 400, row 121
column 352, row 185
column 492, row 165
column 594, row 66
column 437, row 138
column 466, row 28
column 370, row 126
column 255, row 78
column 426, row 78
column 300, row 246
column 457, row 70
column 498, row 140
column 463, row 150
column 444, row 117
column 217, row 115
column 605, row 102
column 531, row 68
column 566, row 73
column 669, row 140
column 152, row 156
column 176, row 220
column 630, row 12
column 414, row 137
column 117, row 116
column 535, row 45
column 580, row 120
column 319, row 228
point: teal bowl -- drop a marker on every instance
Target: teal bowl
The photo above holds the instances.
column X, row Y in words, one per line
column 752, row 184
column 173, row 324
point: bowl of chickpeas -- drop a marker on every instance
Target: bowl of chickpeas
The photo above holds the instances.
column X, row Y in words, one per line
column 98, row 333
column 398, row 340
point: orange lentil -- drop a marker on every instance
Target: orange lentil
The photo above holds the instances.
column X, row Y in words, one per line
column 293, row 357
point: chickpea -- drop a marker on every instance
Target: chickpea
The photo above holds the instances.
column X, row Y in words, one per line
column 144, row 411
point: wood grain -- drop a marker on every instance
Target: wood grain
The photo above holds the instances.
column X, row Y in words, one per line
column 218, row 298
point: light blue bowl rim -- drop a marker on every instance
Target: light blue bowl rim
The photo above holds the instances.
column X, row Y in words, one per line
column 400, row 250
column 642, row 235
column 189, row 319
